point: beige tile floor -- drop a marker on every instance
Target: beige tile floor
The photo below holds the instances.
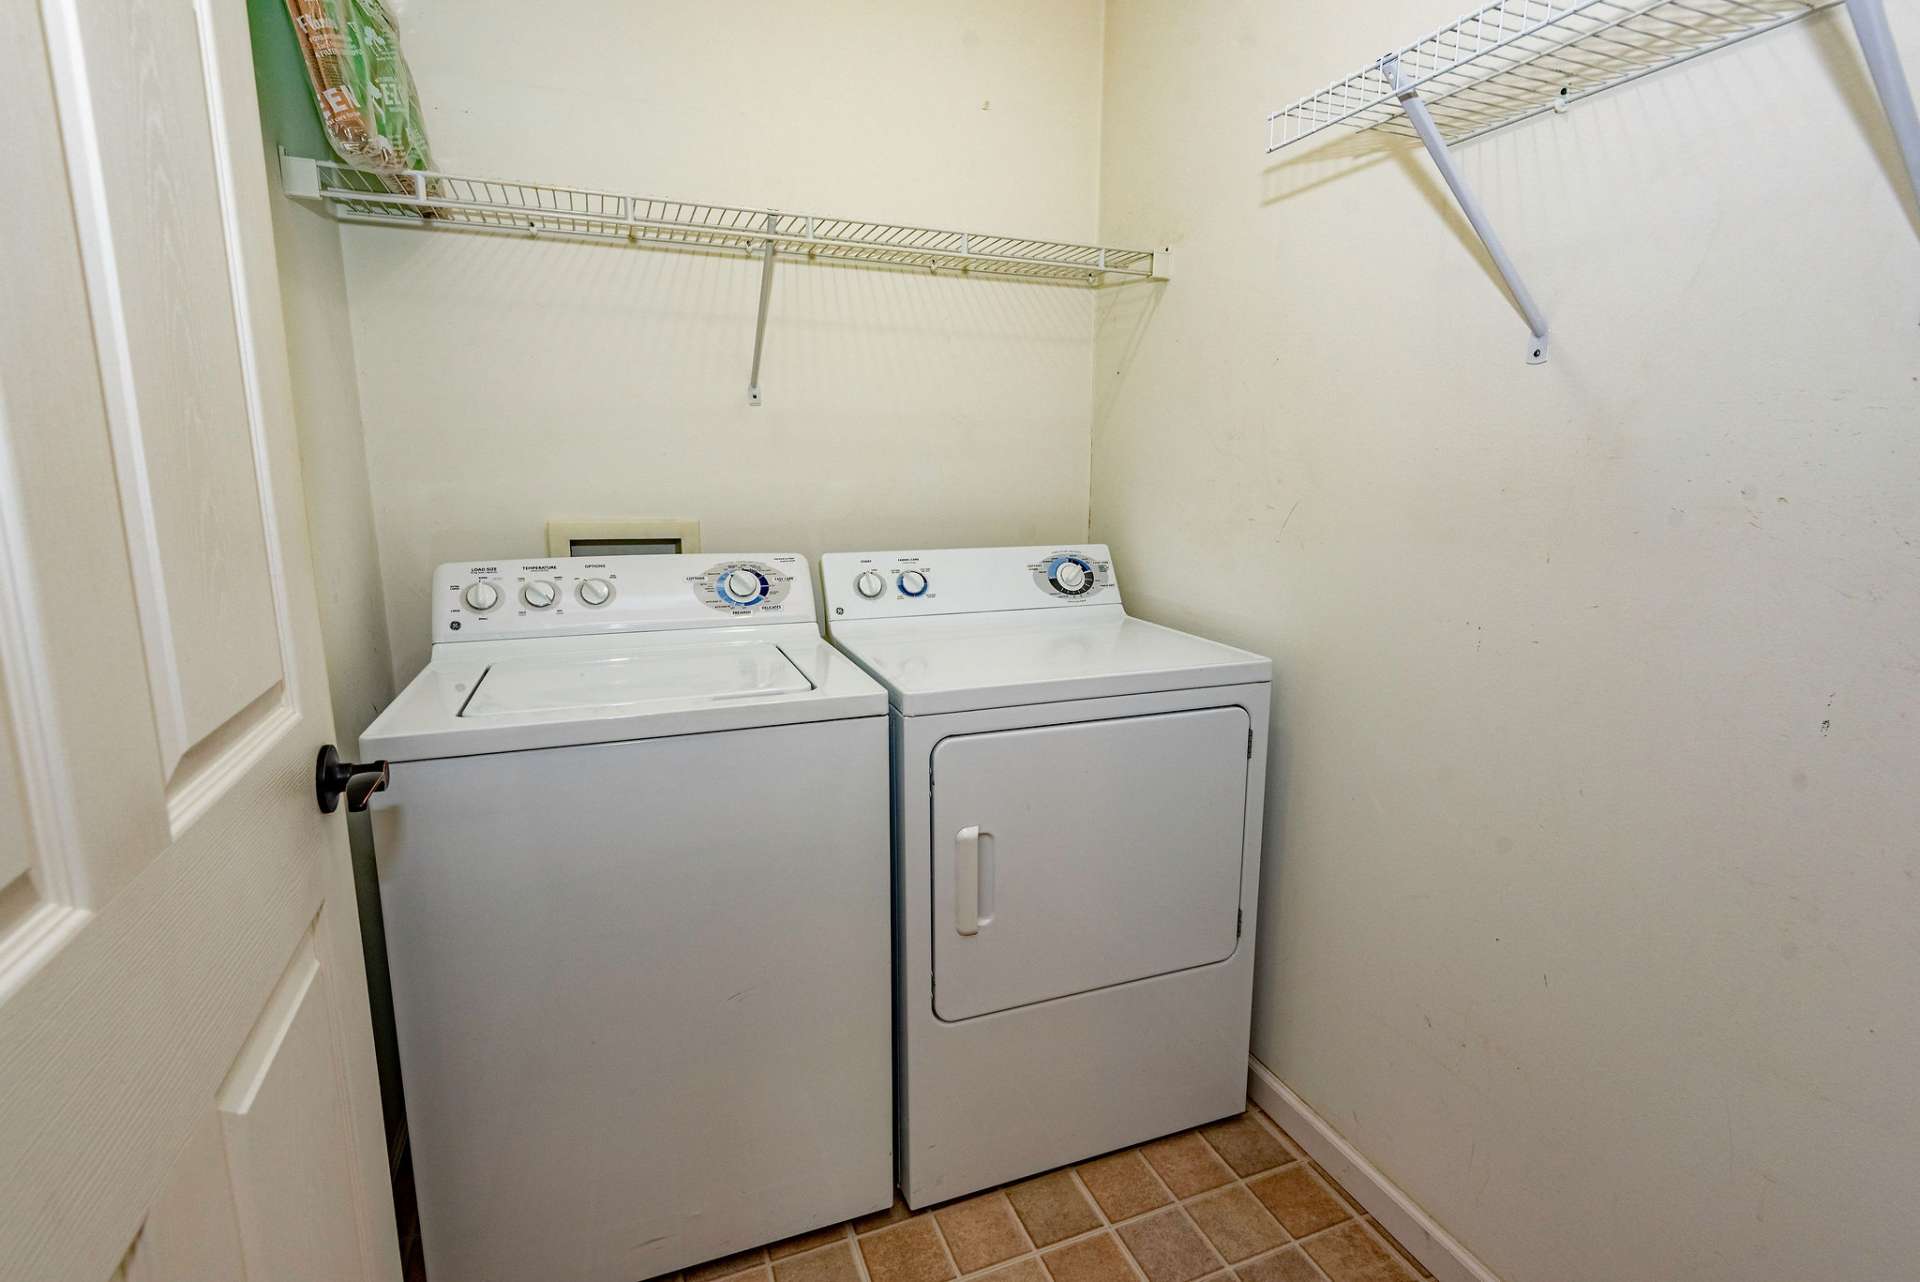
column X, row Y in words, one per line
column 1236, row 1201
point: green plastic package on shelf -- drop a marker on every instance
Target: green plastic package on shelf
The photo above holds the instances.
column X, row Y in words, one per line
column 361, row 84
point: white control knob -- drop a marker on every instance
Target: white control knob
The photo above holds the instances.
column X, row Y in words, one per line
column 595, row 591
column 913, row 583
column 538, row 594
column 743, row 586
column 482, row 596
column 1071, row 576
column 869, row 584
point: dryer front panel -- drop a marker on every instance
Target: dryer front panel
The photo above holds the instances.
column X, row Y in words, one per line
column 1074, row 857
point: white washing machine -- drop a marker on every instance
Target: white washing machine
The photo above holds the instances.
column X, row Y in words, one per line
column 634, row 866
column 1077, row 816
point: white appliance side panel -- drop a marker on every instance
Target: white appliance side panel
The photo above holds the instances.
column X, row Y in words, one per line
column 642, row 995
column 1072, row 857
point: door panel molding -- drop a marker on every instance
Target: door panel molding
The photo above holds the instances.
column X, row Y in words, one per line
column 191, row 1233
column 86, row 174
column 27, row 715
column 283, row 1111
column 222, row 66
column 39, row 887
column 194, row 771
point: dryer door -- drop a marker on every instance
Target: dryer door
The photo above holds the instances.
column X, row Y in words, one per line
column 1073, row 857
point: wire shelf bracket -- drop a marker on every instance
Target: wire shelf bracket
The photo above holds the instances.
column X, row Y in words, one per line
column 421, row 198
column 1514, row 59
column 1422, row 122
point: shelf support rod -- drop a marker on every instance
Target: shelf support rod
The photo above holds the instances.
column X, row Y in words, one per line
column 1422, row 121
column 1890, row 81
column 766, row 296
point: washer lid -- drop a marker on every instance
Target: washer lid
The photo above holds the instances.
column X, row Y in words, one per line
column 962, row 662
column 554, row 692
column 556, row 683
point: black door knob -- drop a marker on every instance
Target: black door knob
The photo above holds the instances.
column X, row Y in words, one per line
column 359, row 781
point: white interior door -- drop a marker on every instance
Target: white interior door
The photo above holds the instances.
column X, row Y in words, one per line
column 186, row 1071
column 1073, row 857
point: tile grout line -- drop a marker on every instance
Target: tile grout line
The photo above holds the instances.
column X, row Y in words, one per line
column 1154, row 1171
column 1294, row 1158
column 1031, row 1253
column 1235, row 1180
column 852, row 1239
column 1356, row 1214
column 1106, row 1224
column 946, row 1248
column 1175, row 1201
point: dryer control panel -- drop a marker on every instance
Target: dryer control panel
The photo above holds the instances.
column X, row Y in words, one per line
column 893, row 585
column 573, row 596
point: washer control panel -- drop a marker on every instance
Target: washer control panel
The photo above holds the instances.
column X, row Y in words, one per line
column 566, row 596
column 886, row 585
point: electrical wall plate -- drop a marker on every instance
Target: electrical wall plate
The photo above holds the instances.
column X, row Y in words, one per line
column 621, row 537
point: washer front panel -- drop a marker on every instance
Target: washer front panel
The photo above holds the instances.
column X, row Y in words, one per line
column 617, row 953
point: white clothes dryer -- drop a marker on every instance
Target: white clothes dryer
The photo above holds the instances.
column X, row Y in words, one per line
column 1077, row 809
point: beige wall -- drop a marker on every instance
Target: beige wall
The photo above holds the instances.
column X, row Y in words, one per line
column 505, row 382
column 333, row 457
column 313, row 292
column 1590, row 908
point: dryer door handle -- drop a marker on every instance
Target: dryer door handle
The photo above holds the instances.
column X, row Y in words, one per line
column 972, row 879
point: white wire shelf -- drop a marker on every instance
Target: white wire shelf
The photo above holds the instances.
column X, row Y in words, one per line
column 1514, row 59
column 420, row 198
column 1517, row 58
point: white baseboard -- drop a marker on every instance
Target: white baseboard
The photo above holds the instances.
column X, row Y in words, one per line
column 1398, row 1214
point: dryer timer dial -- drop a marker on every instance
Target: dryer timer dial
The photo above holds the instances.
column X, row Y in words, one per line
column 1071, row 576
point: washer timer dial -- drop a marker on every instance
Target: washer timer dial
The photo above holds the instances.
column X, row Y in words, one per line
column 737, row 587
column 741, row 587
column 744, row 586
